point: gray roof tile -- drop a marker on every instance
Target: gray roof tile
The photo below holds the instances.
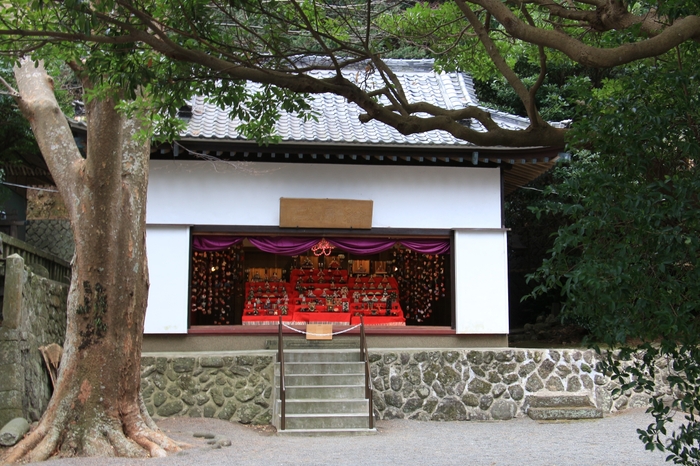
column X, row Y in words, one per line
column 338, row 121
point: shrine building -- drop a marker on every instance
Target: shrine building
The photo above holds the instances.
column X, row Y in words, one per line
column 338, row 220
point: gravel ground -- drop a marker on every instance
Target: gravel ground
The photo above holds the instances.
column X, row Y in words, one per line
column 608, row 441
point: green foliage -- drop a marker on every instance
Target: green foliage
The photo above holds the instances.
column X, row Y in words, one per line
column 149, row 84
column 15, row 132
column 626, row 263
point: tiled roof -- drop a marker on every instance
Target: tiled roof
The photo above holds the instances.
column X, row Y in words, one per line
column 338, row 121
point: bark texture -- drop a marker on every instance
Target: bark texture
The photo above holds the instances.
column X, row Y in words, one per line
column 96, row 408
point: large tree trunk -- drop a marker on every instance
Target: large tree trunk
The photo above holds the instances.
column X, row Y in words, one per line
column 96, row 408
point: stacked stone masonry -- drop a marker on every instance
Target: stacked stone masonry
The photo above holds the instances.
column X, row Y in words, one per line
column 229, row 387
column 34, row 315
column 425, row 385
column 52, row 236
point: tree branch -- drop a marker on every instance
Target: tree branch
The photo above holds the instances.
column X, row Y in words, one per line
column 493, row 53
column 11, row 91
column 683, row 29
column 543, row 65
column 38, row 104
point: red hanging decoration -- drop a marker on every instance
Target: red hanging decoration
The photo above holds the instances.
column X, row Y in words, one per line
column 322, row 248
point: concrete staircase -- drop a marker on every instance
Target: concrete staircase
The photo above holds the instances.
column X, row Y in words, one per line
column 325, row 393
column 562, row 406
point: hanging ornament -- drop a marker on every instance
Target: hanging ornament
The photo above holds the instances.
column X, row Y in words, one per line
column 322, row 248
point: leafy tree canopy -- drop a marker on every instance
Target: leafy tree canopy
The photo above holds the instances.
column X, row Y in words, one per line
column 211, row 47
column 626, row 261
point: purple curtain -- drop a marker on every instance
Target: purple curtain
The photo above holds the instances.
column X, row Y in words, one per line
column 427, row 246
column 285, row 246
column 214, row 243
column 292, row 246
column 363, row 245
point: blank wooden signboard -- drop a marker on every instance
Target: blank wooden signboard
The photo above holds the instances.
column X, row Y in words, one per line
column 319, row 331
column 325, row 213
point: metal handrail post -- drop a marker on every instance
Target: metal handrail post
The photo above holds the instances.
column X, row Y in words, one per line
column 283, row 388
column 364, row 354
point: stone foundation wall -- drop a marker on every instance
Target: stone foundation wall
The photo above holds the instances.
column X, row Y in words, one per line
column 485, row 384
column 413, row 384
column 34, row 314
column 235, row 387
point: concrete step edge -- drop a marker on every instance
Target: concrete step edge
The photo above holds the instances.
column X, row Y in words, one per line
column 564, row 413
column 324, row 415
column 321, row 432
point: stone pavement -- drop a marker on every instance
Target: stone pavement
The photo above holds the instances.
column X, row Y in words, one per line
column 519, row 442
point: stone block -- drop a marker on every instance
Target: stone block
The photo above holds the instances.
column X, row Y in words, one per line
column 527, row 368
column 545, row 368
column 554, row 384
column 485, row 402
column 390, row 358
column 505, row 355
column 430, row 404
column 395, row 382
column 378, row 401
column 503, row 410
column 516, row 392
column 448, row 376
column 449, row 409
column 475, row 357
column 183, row 364
column 8, row 414
column 412, row 405
column 506, row 368
column 393, row 413
column 393, row 399
column 15, row 276
column 11, row 399
column 12, row 377
column 438, row 389
column 551, row 414
column 451, row 356
column 9, row 354
column 493, row 377
column 470, row 399
column 217, row 396
column 159, row 398
column 211, row 362
column 248, row 412
column 245, row 360
column 235, row 370
column 171, row 408
column 573, row 384
column 246, row 394
column 479, row 386
column 534, row 384
column 13, row 431
column 498, row 390
column 209, row 411
column 227, row 411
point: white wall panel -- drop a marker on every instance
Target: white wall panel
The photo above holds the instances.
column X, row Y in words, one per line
column 481, row 282
column 168, row 249
column 207, row 193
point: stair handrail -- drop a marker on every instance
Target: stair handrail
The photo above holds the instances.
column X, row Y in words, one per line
column 364, row 355
column 283, row 388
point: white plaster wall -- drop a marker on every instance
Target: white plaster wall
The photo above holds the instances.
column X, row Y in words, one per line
column 188, row 193
column 168, row 250
column 207, row 193
column 481, row 282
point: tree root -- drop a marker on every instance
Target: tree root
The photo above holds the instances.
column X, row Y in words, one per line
column 128, row 436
